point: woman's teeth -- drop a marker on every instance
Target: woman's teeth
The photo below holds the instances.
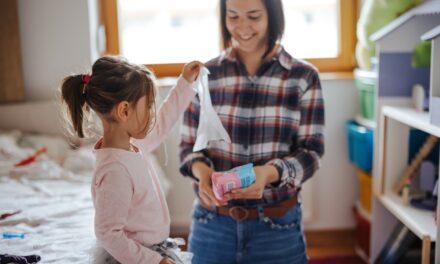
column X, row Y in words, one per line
column 246, row 37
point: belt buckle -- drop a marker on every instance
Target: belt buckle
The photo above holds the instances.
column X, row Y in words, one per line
column 234, row 213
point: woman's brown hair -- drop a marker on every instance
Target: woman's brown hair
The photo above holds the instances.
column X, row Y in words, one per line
column 112, row 81
column 276, row 22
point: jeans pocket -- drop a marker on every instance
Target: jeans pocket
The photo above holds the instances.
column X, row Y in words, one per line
column 291, row 220
column 202, row 215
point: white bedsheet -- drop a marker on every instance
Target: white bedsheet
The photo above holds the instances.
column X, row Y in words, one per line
column 56, row 217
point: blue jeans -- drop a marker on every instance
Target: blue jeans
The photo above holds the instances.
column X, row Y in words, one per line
column 219, row 239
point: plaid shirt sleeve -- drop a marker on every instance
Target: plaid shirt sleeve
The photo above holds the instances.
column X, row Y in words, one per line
column 188, row 137
column 304, row 158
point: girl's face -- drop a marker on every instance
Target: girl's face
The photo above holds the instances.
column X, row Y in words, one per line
column 140, row 118
column 247, row 22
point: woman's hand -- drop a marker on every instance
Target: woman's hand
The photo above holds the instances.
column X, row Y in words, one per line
column 167, row 261
column 263, row 175
column 203, row 172
column 191, row 70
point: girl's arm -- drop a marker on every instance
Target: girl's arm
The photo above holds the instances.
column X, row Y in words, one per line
column 168, row 114
column 114, row 192
column 172, row 107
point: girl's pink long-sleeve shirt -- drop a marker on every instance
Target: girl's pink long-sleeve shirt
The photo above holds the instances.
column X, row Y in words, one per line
column 131, row 212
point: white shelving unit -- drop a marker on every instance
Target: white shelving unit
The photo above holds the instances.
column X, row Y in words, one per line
column 418, row 221
column 413, row 118
column 396, row 123
column 394, row 118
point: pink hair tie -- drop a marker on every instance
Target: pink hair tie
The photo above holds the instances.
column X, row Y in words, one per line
column 86, row 78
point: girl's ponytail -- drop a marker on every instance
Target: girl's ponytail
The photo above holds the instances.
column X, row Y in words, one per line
column 73, row 94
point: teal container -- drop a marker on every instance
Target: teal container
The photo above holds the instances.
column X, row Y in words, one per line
column 365, row 82
column 360, row 145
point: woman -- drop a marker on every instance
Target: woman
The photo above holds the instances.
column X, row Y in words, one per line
column 271, row 105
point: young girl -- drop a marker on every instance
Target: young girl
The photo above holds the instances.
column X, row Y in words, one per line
column 131, row 214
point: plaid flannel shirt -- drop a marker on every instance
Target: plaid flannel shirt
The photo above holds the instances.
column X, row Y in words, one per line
column 275, row 117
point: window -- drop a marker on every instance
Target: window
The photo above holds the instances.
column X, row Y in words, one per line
column 167, row 33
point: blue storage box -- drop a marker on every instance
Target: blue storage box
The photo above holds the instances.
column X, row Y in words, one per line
column 360, row 145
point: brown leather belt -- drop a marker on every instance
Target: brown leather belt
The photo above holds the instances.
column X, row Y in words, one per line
column 240, row 213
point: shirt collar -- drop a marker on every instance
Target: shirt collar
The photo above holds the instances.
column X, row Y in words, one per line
column 98, row 148
column 285, row 60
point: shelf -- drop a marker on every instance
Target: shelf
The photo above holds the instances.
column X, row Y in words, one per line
column 420, row 222
column 412, row 118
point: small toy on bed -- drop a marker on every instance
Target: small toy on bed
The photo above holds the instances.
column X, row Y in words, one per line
column 9, row 214
column 12, row 235
column 31, row 158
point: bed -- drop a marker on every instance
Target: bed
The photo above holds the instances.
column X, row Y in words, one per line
column 46, row 205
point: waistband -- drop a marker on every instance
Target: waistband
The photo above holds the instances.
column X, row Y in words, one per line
column 240, row 213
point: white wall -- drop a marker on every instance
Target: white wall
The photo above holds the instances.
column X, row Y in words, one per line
column 59, row 37
column 56, row 40
column 335, row 184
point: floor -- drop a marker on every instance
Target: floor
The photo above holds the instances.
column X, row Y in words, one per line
column 337, row 260
column 327, row 243
column 320, row 252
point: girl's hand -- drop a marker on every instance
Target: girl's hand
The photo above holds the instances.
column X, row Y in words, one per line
column 191, row 70
column 167, row 261
column 263, row 175
column 203, row 172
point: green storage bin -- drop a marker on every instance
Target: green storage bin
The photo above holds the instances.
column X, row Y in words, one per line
column 365, row 82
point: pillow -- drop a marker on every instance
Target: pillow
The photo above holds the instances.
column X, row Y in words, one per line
column 9, row 148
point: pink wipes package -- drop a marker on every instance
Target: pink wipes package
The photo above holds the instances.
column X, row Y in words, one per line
column 238, row 177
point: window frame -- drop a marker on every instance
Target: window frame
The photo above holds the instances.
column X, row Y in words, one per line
column 344, row 62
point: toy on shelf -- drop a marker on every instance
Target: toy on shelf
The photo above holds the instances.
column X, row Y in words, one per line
column 415, row 163
column 421, row 56
column 374, row 15
column 405, row 192
column 420, row 101
column 428, row 187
